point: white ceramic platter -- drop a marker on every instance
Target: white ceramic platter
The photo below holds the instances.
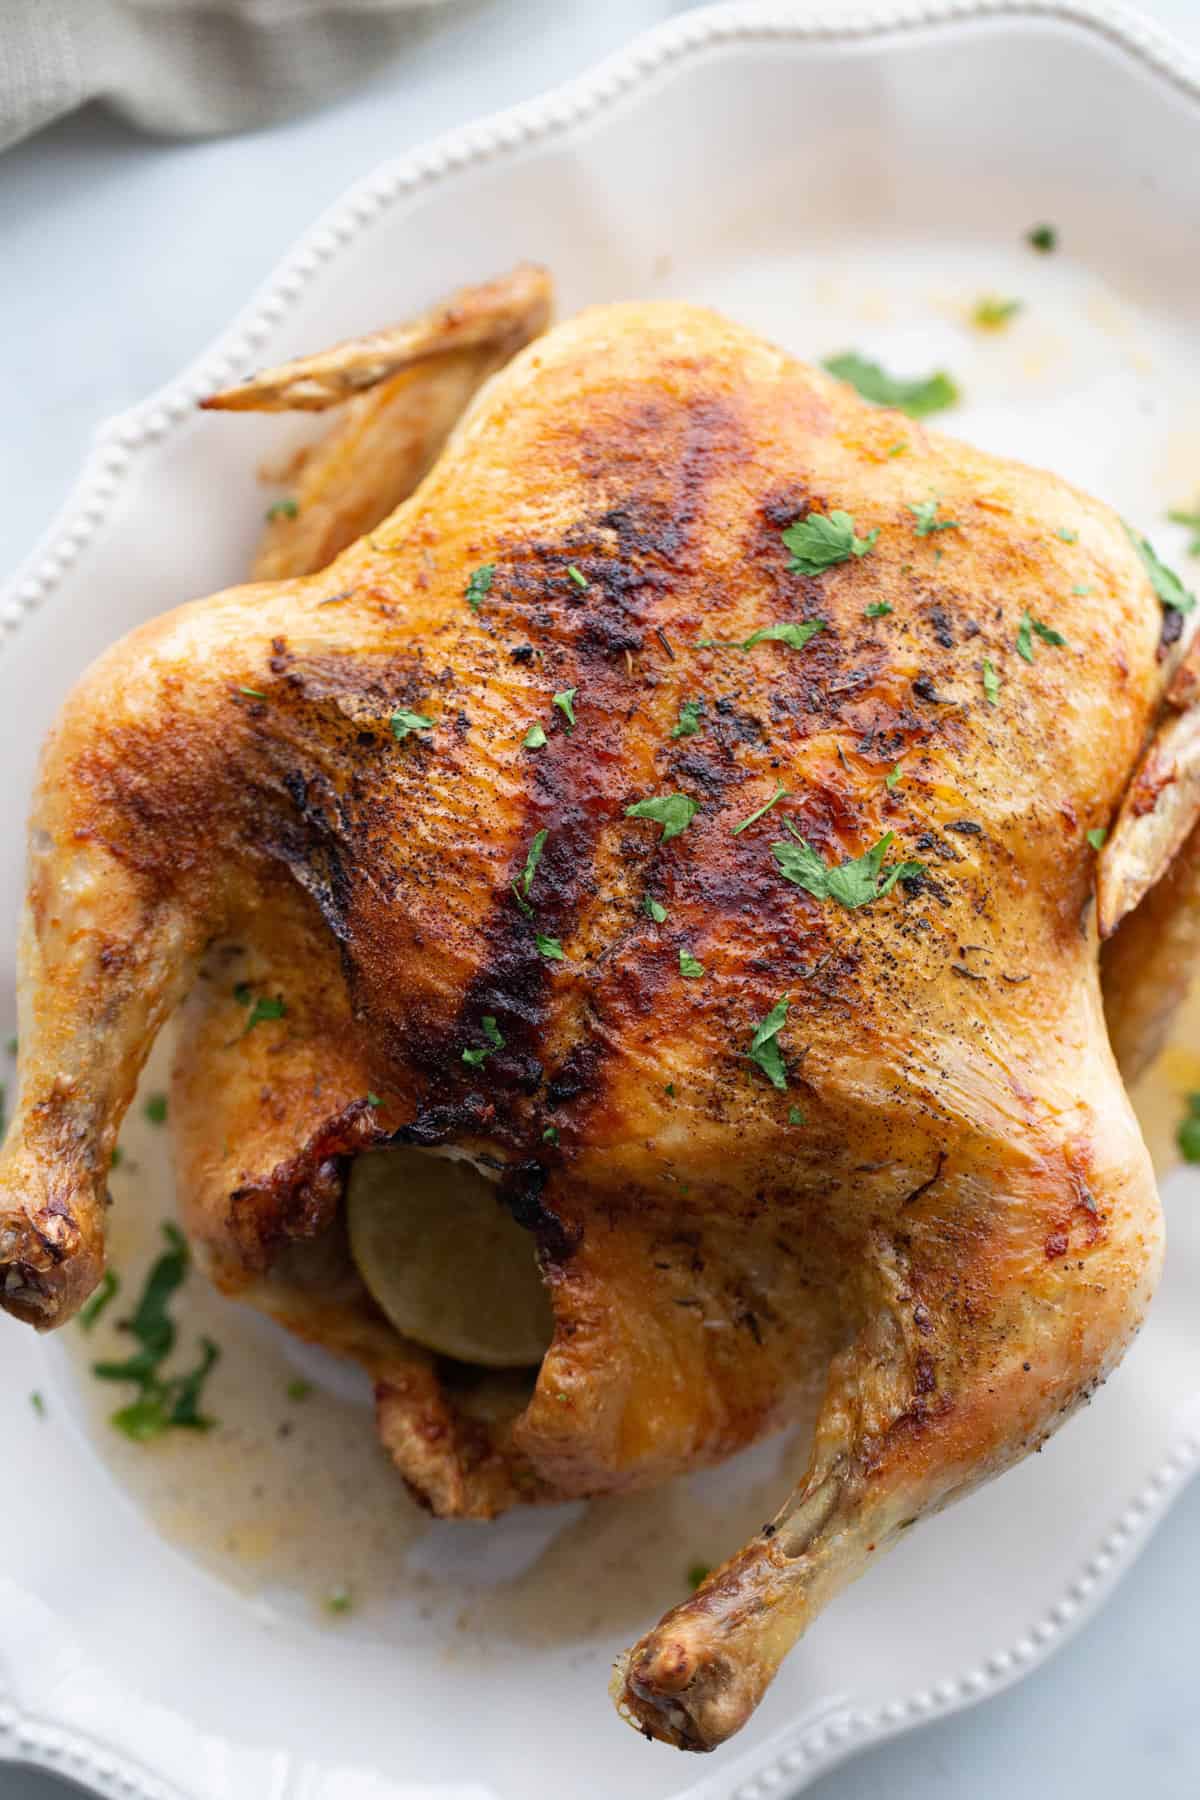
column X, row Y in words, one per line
column 838, row 187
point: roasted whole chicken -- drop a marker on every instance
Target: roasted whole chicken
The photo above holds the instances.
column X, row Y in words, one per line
column 682, row 816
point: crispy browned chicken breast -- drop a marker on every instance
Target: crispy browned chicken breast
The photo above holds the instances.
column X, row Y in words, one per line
column 764, row 978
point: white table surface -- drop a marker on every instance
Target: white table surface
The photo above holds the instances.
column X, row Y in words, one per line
column 122, row 257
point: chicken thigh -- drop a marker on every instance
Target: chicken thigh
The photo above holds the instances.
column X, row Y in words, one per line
column 765, row 978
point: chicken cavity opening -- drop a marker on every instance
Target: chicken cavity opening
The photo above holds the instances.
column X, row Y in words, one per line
column 446, row 1263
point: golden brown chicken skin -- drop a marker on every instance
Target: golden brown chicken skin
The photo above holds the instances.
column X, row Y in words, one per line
column 927, row 1175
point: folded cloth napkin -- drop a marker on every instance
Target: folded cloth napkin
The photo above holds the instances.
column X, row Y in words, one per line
column 189, row 66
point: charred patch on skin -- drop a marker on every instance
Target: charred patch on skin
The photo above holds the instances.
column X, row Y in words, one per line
column 300, row 1198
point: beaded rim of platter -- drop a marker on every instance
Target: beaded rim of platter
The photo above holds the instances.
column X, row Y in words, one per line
column 798, row 1754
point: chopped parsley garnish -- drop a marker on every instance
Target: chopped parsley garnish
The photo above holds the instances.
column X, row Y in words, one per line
column 1180, row 516
column 117, row 1157
column 1187, row 1134
column 891, row 782
column 1025, row 637
column 180, row 1405
column 688, row 723
column 374, row 1099
column 404, row 723
column 525, row 879
column 491, row 1031
column 550, row 1135
column 674, row 812
column 38, row 1404
column 282, row 509
column 991, row 682
column 577, row 576
column 689, row 966
column 163, row 1401
column 266, row 1007
column 155, row 1109
column 817, row 542
column 654, row 909
column 299, row 1389
column 927, row 520
column 480, row 585
column 781, row 793
column 1096, row 836
column 1082, row 587
column 340, row 1601
column 252, row 693
column 853, row 883
column 1067, row 534
column 1164, row 581
column 535, row 738
column 1028, row 629
column 107, row 1290
column 565, row 703
column 796, row 1116
column 793, row 635
column 549, row 947
column 1043, row 238
column 917, row 398
column 878, row 609
column 897, row 449
column 698, row 1574
column 992, row 314
column 764, row 1045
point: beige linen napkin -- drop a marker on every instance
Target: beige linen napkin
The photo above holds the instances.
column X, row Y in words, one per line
column 190, row 66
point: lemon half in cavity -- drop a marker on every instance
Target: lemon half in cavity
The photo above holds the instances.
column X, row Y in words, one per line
column 445, row 1261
